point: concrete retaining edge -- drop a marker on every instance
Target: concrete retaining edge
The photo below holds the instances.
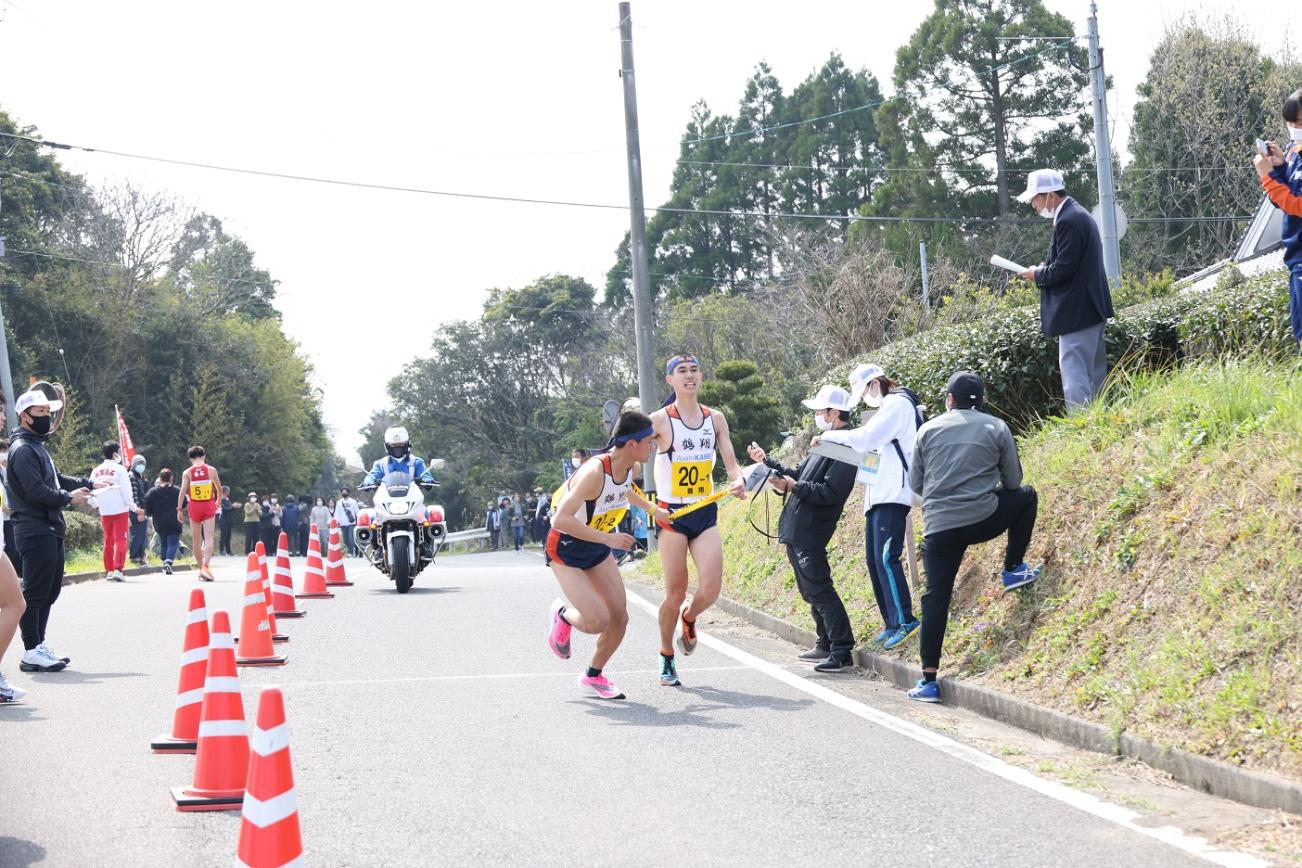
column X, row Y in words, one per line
column 1208, row 775
column 78, row 578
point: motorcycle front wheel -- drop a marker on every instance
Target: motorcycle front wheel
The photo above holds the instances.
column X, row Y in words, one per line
column 401, row 566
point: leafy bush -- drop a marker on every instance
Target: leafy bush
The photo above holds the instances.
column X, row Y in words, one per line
column 83, row 533
column 1020, row 365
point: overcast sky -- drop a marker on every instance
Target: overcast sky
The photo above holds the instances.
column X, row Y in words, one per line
column 508, row 98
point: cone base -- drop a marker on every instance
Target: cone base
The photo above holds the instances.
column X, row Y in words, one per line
column 260, row 661
column 339, row 584
column 291, row 613
column 168, row 744
column 275, row 637
column 306, row 596
column 187, row 801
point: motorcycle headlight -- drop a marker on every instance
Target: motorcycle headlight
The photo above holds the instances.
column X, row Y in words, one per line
column 399, row 508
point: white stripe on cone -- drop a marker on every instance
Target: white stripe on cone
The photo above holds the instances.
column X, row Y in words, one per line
column 197, row 616
column 219, row 728
column 221, row 640
column 190, row 697
column 195, row 655
column 265, row 742
column 273, row 810
column 222, row 684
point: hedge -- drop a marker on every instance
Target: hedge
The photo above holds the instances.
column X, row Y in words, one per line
column 1020, row 365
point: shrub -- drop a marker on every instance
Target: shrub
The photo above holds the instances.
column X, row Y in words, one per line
column 1020, row 365
column 83, row 533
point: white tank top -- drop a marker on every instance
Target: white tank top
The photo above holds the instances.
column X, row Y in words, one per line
column 684, row 473
column 604, row 513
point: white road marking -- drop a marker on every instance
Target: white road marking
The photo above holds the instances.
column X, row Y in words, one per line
column 484, row 677
column 1086, row 802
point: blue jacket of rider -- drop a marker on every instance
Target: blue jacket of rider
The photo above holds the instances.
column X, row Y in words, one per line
column 388, row 464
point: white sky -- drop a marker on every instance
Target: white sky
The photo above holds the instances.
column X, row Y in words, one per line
column 507, row 98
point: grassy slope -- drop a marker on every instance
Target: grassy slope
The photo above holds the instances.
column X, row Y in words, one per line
column 1171, row 603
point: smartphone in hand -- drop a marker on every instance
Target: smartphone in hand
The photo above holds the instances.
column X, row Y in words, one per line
column 1263, row 147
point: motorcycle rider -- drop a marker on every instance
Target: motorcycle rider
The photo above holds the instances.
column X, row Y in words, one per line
column 399, row 459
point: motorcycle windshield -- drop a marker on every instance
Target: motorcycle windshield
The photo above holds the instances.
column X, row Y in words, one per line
column 397, row 483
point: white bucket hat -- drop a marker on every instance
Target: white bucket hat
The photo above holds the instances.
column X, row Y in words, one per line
column 830, row 397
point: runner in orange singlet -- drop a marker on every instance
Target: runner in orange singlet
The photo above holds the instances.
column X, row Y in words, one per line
column 200, row 488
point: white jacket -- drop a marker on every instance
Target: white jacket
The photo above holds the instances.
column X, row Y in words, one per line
column 894, row 420
column 116, row 499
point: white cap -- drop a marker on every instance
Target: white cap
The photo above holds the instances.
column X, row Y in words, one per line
column 1042, row 181
column 860, row 377
column 36, row 398
column 830, row 397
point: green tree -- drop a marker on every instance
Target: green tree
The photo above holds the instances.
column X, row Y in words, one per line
column 1208, row 93
column 739, row 392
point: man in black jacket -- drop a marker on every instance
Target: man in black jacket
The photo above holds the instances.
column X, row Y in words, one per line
column 1075, row 301
column 816, row 493
column 226, row 522
column 40, row 494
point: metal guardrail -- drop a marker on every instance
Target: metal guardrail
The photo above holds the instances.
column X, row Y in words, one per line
column 465, row 536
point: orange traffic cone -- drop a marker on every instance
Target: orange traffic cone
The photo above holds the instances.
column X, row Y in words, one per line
column 222, row 760
column 334, row 573
column 264, row 574
column 255, row 626
column 269, row 833
column 314, row 586
column 189, row 692
column 282, row 584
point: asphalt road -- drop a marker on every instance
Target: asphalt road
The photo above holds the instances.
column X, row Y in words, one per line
column 437, row 728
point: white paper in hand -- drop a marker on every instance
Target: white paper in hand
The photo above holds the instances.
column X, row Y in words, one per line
column 1007, row 263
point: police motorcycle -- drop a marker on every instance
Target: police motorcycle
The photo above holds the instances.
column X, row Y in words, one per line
column 399, row 535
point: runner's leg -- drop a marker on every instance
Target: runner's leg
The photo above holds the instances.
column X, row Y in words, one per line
column 707, row 554
column 12, row 604
column 586, row 610
column 673, row 557
column 209, row 537
column 609, row 585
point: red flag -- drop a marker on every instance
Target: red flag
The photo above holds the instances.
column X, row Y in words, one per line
column 124, row 437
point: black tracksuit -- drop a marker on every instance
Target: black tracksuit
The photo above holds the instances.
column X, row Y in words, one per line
column 809, row 517
column 39, row 495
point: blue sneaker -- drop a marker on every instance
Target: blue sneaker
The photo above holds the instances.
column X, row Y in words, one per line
column 884, row 635
column 925, row 691
column 900, row 636
column 668, row 672
column 1019, row 577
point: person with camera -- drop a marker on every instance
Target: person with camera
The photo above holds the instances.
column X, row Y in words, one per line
column 965, row 465
column 40, row 495
column 816, row 492
column 1281, row 177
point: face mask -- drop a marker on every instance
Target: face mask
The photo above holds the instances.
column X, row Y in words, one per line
column 872, row 400
column 398, row 451
column 1295, row 133
column 138, row 467
column 1046, row 213
column 41, row 425
column 822, row 423
column 275, row 500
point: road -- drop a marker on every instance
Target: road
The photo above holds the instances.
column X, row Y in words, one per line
column 436, row 728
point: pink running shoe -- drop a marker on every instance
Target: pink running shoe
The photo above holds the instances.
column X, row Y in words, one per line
column 559, row 637
column 602, row 686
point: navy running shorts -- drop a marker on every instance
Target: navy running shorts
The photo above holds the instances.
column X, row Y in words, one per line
column 693, row 524
column 577, row 553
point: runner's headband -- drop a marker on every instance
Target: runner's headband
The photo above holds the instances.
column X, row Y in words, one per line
column 681, row 359
column 636, row 435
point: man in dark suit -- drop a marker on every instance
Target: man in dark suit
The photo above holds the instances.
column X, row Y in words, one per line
column 815, row 493
column 1075, row 302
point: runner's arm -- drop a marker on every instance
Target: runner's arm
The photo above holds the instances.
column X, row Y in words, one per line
column 585, row 485
column 635, row 497
column 723, row 439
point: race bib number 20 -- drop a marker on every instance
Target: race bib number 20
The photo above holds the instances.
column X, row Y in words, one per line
column 691, row 479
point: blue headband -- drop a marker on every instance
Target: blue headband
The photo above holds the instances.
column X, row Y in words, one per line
column 686, row 358
column 636, row 435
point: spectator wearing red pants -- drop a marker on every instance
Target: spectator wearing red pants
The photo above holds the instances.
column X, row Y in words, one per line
column 114, row 500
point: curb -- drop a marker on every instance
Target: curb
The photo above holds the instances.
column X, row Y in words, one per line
column 97, row 575
column 1208, row 775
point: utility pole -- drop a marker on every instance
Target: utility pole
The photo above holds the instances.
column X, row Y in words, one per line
column 926, row 282
column 642, row 321
column 1103, row 153
column 6, row 377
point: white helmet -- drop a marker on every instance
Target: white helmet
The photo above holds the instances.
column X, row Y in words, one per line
column 396, row 436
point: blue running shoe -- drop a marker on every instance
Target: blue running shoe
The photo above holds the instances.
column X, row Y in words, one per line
column 900, row 636
column 925, row 691
column 668, row 672
column 1019, row 577
column 884, row 635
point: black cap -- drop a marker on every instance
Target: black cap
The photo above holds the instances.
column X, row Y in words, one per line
column 967, row 388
